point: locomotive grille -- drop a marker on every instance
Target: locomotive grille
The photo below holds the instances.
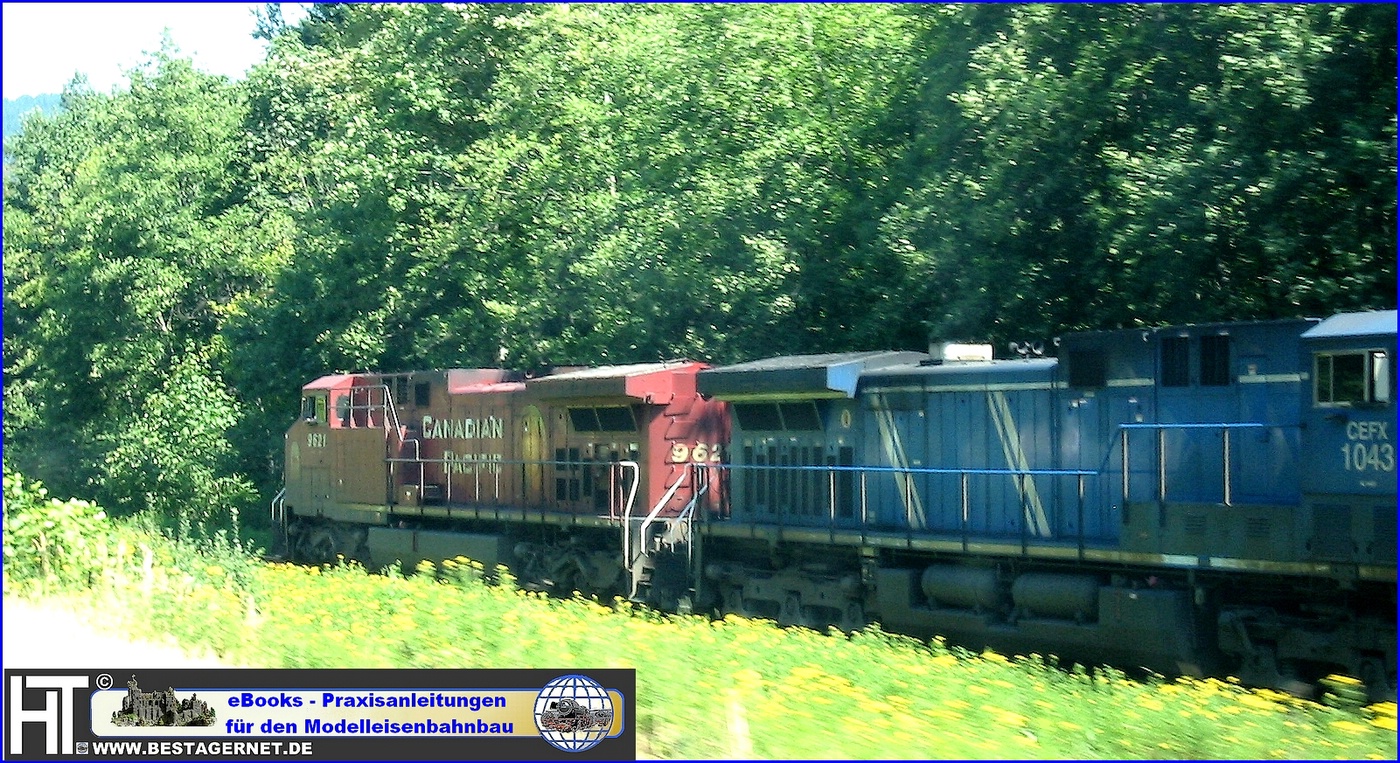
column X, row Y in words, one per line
column 1195, row 525
column 1383, row 538
column 804, row 492
column 1331, row 531
column 1256, row 528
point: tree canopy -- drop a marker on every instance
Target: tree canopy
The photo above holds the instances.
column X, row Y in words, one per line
column 407, row 186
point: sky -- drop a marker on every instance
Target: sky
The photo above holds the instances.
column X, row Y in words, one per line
column 46, row 43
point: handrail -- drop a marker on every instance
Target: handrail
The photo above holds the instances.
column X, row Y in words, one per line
column 651, row 517
column 1021, row 474
column 702, row 489
column 279, row 514
column 1125, row 427
column 391, row 410
column 1161, row 429
column 1030, row 517
column 631, row 500
column 1207, row 425
column 917, row 470
column 369, row 406
column 278, row 507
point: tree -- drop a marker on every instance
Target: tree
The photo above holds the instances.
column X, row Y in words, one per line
column 175, row 459
column 406, row 186
column 682, row 180
column 1128, row 165
column 127, row 244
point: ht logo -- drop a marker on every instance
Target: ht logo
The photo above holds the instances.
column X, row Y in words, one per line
column 56, row 714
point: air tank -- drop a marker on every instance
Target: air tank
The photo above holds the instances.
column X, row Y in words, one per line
column 965, row 587
column 1068, row 597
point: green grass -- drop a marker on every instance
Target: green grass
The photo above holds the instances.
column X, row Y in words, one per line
column 733, row 688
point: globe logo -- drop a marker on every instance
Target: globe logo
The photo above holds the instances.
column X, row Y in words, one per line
column 573, row 713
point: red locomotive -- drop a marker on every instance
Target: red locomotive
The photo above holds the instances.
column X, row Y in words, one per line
column 578, row 479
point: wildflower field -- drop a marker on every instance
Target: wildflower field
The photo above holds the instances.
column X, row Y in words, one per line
column 734, row 688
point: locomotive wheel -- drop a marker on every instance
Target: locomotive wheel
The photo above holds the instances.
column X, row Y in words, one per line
column 731, row 600
column 604, row 574
column 299, row 542
column 563, row 577
column 318, row 546
column 852, row 617
column 1379, row 686
column 1281, row 675
column 324, row 543
column 791, row 612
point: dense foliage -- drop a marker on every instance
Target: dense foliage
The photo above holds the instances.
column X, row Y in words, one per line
column 427, row 185
column 51, row 542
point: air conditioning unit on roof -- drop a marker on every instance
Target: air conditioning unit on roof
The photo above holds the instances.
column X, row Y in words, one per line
column 947, row 352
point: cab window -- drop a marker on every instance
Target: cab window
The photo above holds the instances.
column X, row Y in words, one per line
column 313, row 408
column 604, row 419
column 342, row 410
column 1353, row 378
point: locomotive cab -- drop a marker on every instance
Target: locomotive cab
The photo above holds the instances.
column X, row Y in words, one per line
column 335, row 452
column 1349, row 426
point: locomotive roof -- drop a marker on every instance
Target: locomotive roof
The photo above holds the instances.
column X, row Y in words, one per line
column 612, row 372
column 1375, row 323
column 480, row 380
column 333, row 381
column 638, row 380
column 788, row 376
column 965, row 376
column 1099, row 336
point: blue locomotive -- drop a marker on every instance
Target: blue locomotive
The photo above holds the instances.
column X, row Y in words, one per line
column 1194, row 498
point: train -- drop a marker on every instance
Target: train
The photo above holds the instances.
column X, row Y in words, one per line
column 1200, row 499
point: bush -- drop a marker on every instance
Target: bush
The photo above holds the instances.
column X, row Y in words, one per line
column 174, row 459
column 49, row 541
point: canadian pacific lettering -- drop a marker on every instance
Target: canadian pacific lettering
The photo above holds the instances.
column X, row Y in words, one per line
column 468, row 463
column 489, row 428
